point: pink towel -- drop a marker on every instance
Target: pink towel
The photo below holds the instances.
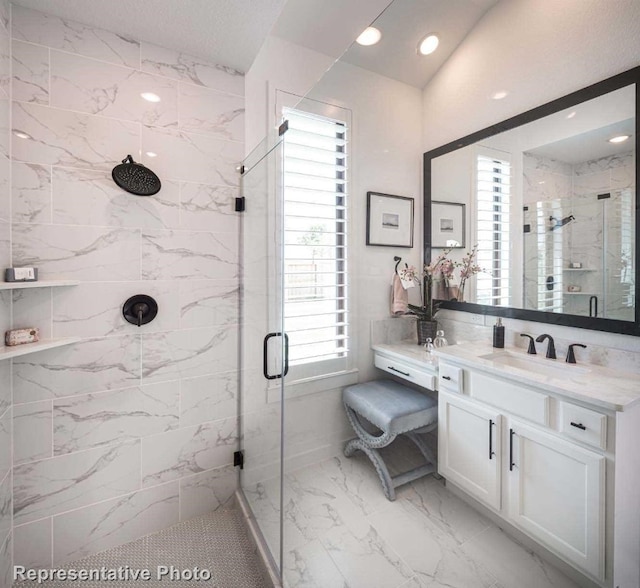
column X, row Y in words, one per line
column 399, row 297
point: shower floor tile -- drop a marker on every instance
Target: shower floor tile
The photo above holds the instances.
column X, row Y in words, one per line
column 217, row 542
column 345, row 534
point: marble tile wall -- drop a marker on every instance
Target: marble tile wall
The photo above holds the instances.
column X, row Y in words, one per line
column 6, row 413
column 132, row 429
column 555, row 188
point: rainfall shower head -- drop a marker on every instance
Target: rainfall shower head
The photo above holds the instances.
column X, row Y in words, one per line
column 135, row 178
column 557, row 223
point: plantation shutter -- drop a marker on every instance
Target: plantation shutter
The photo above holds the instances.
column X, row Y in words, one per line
column 315, row 239
column 493, row 179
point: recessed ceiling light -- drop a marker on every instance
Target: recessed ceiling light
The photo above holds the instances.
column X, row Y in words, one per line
column 150, row 97
column 429, row 44
column 22, row 134
column 499, row 95
column 151, row 154
column 618, row 139
column 370, row 36
column 571, row 114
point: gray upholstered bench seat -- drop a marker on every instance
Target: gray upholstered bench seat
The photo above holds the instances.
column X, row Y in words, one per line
column 395, row 410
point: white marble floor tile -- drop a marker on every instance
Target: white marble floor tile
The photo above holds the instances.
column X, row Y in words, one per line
column 445, row 510
column 512, row 565
column 431, row 552
column 366, row 559
column 427, row 537
column 311, row 567
column 361, row 484
column 323, row 503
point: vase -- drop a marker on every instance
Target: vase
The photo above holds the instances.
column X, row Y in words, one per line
column 426, row 330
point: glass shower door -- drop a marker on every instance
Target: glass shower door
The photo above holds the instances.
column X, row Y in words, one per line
column 262, row 344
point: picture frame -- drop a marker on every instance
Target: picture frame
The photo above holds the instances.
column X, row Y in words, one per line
column 447, row 225
column 389, row 220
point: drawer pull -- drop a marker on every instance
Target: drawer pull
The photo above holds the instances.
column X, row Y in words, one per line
column 446, row 377
column 396, row 370
column 578, row 426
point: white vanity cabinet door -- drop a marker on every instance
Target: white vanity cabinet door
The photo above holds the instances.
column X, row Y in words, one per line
column 469, row 448
column 556, row 494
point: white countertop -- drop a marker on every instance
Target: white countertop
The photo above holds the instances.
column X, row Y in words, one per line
column 407, row 351
column 590, row 384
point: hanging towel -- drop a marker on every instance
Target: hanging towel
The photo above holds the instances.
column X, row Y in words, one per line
column 399, row 297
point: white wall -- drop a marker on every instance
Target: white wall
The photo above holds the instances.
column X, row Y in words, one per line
column 537, row 50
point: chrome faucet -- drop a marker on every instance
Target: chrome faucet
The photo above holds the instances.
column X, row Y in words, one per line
column 551, row 348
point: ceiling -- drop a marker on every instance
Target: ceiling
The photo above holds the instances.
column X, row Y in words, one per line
column 231, row 32
column 592, row 145
column 227, row 32
column 404, row 24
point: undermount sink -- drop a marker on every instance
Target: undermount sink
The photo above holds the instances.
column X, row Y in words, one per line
column 535, row 364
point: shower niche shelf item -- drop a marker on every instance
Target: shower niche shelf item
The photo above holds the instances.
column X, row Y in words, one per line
column 38, row 284
column 43, row 345
column 578, row 269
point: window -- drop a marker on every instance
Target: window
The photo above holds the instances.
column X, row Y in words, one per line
column 315, row 243
column 493, row 183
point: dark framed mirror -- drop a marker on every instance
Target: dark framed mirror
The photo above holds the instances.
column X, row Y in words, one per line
column 553, row 207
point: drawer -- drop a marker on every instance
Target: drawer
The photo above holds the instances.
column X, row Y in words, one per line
column 510, row 397
column 583, row 424
column 405, row 371
column 450, row 378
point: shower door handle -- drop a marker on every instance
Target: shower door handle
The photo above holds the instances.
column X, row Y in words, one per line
column 593, row 306
column 265, row 354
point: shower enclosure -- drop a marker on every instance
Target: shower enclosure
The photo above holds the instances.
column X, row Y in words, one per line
column 579, row 255
column 262, row 343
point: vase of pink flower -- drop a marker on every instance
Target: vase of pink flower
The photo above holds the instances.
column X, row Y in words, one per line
column 440, row 269
column 468, row 268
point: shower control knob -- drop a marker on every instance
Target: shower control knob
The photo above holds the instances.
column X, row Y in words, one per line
column 140, row 309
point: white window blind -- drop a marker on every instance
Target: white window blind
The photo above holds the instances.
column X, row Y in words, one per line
column 315, row 239
column 493, row 188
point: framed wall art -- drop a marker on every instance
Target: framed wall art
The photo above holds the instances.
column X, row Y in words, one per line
column 447, row 224
column 389, row 220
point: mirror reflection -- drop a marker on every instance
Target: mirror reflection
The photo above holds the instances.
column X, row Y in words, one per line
column 551, row 207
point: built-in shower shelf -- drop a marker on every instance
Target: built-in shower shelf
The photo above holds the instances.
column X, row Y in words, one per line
column 18, row 350
column 579, row 269
column 580, row 294
column 38, row 284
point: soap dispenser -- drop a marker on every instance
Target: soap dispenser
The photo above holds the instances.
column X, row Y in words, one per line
column 498, row 334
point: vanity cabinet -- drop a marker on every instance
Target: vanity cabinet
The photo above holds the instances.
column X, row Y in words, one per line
column 469, row 448
column 556, row 494
column 499, row 442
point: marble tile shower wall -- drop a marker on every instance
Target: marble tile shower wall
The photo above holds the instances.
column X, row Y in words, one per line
column 573, row 189
column 6, row 536
column 133, row 429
